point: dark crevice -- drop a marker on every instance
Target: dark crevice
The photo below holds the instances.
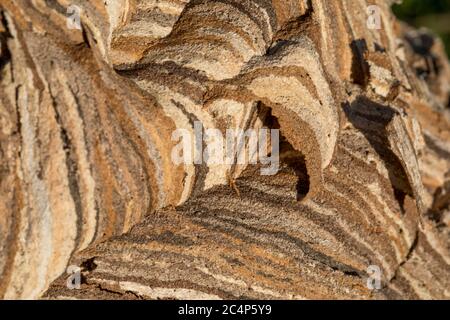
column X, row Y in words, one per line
column 5, row 54
column 101, row 288
column 296, row 161
column 137, row 296
column 400, row 196
column 379, row 48
column 85, row 37
column 89, row 264
column 360, row 68
column 412, row 248
column 408, row 256
column 347, row 272
column 289, row 156
column 422, row 44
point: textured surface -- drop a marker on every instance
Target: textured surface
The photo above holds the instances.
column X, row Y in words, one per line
column 86, row 176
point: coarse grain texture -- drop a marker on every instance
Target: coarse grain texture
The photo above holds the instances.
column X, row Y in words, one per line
column 87, row 177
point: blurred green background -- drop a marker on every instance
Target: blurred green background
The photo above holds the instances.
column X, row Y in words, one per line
column 433, row 14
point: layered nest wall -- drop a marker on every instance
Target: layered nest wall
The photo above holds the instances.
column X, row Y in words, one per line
column 87, row 178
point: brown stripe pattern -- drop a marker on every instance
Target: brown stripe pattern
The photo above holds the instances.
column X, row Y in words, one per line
column 86, row 175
